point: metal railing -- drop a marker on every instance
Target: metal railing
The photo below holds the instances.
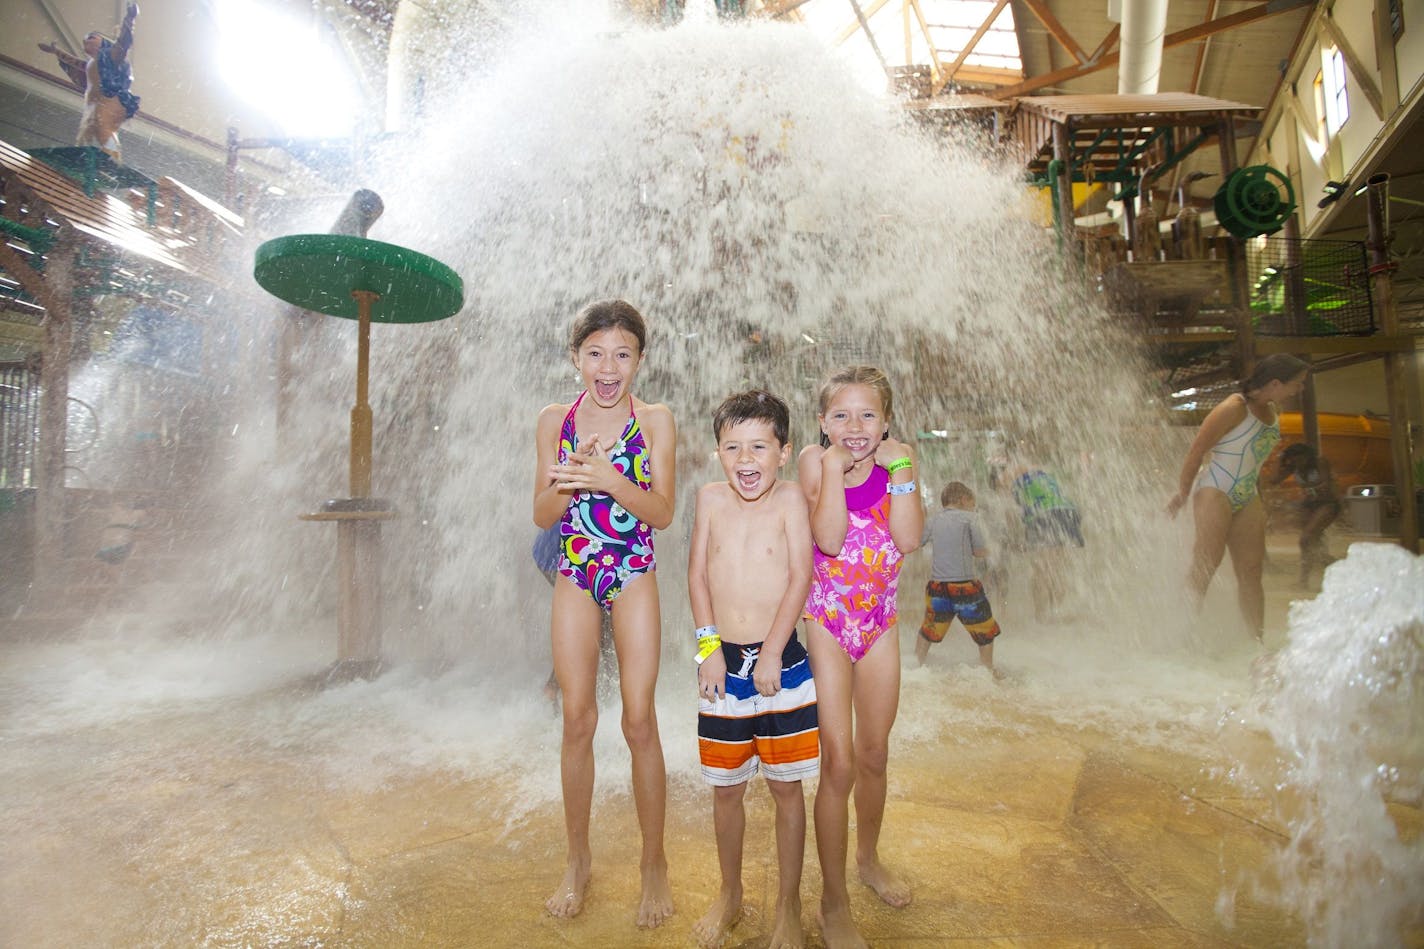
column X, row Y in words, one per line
column 19, row 424
column 1307, row 287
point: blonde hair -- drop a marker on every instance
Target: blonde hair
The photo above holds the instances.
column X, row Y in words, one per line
column 859, row 376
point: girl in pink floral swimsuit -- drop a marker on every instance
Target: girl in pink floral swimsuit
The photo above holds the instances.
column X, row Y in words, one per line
column 865, row 516
column 605, row 473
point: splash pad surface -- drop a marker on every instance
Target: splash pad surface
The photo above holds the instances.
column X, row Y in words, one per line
column 168, row 794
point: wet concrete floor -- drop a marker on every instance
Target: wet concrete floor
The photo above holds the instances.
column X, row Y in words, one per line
column 1014, row 828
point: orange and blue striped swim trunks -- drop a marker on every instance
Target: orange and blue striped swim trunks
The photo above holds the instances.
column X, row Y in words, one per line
column 745, row 731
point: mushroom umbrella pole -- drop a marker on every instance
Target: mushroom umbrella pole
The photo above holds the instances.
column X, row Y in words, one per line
column 368, row 281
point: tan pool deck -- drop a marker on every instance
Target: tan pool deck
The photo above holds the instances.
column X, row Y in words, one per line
column 1054, row 836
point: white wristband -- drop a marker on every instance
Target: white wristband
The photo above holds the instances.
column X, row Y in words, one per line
column 907, row 488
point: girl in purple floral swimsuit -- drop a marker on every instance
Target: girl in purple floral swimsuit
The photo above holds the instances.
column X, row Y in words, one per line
column 604, row 474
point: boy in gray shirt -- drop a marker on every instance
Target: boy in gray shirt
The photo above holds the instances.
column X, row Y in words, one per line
column 953, row 589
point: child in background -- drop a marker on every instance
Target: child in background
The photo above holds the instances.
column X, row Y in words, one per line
column 865, row 516
column 605, row 473
column 1219, row 476
column 748, row 572
column 1051, row 524
column 1319, row 505
column 954, row 589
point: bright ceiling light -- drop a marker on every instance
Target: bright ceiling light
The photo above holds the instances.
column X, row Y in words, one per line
column 286, row 68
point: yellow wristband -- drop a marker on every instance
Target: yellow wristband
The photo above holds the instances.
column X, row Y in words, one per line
column 706, row 646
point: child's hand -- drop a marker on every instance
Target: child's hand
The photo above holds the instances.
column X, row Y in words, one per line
column 837, row 458
column 891, row 450
column 587, row 470
column 1175, row 505
column 712, row 677
column 766, row 675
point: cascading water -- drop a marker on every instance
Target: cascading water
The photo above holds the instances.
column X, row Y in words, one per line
column 1343, row 703
column 773, row 220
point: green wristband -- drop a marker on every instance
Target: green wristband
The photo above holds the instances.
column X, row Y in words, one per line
column 899, row 464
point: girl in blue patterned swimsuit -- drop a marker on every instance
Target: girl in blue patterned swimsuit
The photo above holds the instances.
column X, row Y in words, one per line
column 605, row 475
column 1239, row 434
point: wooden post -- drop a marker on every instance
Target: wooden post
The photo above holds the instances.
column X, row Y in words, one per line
column 358, row 617
column 361, row 411
column 1245, row 333
column 1395, row 368
column 1063, row 151
column 1298, row 320
column 230, row 172
column 54, row 417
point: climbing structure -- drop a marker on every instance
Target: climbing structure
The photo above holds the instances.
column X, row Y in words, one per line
column 80, row 231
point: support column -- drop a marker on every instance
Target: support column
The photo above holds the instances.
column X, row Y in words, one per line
column 54, row 419
column 1245, row 333
column 1063, row 152
column 1395, row 366
column 1298, row 321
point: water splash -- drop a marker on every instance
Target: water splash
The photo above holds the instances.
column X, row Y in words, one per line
column 773, row 219
column 1344, row 702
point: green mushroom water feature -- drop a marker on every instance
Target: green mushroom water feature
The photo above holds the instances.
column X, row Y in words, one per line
column 368, row 281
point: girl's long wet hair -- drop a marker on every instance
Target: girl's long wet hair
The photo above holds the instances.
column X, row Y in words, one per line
column 1277, row 367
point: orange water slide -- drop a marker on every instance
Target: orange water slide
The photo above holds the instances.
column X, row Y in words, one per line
column 1357, row 446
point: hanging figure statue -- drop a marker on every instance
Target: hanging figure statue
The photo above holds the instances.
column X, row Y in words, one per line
column 104, row 78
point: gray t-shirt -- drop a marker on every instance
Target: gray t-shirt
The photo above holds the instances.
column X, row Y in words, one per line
column 955, row 534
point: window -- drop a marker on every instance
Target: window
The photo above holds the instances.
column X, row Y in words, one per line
column 1337, row 100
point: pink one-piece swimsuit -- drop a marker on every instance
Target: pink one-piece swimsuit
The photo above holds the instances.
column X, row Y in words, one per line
column 853, row 594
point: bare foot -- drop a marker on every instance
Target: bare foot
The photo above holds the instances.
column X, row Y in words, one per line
column 891, row 889
column 567, row 900
column 787, row 932
column 656, row 906
column 714, row 927
column 838, row 930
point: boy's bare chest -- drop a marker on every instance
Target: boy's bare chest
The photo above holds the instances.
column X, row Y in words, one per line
column 746, row 542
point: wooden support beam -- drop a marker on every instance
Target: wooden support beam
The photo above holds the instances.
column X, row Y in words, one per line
column 1200, row 60
column 937, row 73
column 973, row 41
column 1334, row 345
column 777, row 10
column 861, row 15
column 1306, row 127
column 1106, row 44
column 1179, row 38
column 67, row 36
column 1190, row 339
column 1056, row 29
column 864, row 20
column 14, row 263
column 1357, row 68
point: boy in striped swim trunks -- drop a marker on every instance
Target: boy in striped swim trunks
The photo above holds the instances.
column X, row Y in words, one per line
column 953, row 589
column 748, row 574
